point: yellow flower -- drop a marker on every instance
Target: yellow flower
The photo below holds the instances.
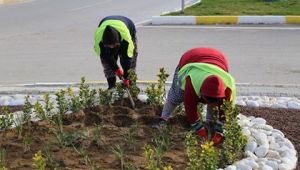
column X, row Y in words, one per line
column 167, row 168
column 207, row 147
column 38, row 156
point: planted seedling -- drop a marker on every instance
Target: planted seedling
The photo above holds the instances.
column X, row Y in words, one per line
column 151, row 157
column 234, row 142
column 48, row 154
column 192, row 151
column 119, row 153
column 27, row 141
column 2, row 159
column 98, row 134
column 62, row 103
column 134, row 90
column 41, row 114
column 87, row 96
column 39, row 162
column 105, row 97
column 49, row 106
column 84, row 154
column 6, row 120
column 209, row 158
column 156, row 95
column 74, row 101
column 163, row 141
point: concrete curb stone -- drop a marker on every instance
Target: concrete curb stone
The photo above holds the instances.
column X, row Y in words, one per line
column 206, row 20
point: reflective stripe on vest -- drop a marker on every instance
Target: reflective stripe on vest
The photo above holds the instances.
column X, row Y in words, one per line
column 121, row 28
column 198, row 72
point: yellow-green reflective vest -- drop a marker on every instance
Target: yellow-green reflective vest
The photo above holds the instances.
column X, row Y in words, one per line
column 198, row 72
column 121, row 28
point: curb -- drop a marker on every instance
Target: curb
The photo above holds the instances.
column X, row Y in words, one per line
column 202, row 20
column 243, row 89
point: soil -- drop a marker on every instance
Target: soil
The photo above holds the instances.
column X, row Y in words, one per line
column 116, row 122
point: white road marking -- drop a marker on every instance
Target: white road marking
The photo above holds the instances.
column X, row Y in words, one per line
column 139, row 24
column 90, row 6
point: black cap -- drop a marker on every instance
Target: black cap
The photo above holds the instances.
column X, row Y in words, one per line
column 110, row 36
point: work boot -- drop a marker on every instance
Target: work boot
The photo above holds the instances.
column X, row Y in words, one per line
column 111, row 82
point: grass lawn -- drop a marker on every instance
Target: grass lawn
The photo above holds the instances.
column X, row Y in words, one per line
column 243, row 7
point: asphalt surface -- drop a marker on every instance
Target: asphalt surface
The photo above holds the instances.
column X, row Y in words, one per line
column 264, row 54
column 52, row 41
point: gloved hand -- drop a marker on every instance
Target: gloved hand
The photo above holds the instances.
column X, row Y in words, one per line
column 160, row 123
column 119, row 72
column 126, row 82
column 218, row 136
column 200, row 129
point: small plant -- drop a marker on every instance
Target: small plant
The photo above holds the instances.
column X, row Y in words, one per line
column 39, row 161
column 87, row 96
column 84, row 154
column 235, row 141
column 92, row 98
column 162, row 78
column 156, row 95
column 6, row 120
column 120, row 92
column 68, row 139
column 152, row 163
column 209, row 158
column 119, row 153
column 98, row 134
column 2, row 159
column 57, row 122
column 180, row 109
column 130, row 137
column 192, row 151
column 49, row 106
column 134, row 90
column 154, row 159
column 48, row 155
column 105, row 97
column 24, row 120
column 168, row 167
column 130, row 166
column 62, row 103
column 164, row 138
column 41, row 114
column 73, row 138
column 27, row 142
column 27, row 110
column 74, row 103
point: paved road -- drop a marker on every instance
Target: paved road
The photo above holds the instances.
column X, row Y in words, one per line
column 52, row 40
column 256, row 54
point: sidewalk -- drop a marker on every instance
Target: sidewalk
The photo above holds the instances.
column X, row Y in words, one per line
column 202, row 20
column 243, row 89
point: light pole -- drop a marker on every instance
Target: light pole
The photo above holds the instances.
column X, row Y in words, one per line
column 182, row 6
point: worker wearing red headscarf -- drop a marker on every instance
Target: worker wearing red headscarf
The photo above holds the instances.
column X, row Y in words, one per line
column 201, row 76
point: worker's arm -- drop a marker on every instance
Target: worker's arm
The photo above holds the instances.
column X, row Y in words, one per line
column 190, row 101
column 110, row 57
column 124, row 59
